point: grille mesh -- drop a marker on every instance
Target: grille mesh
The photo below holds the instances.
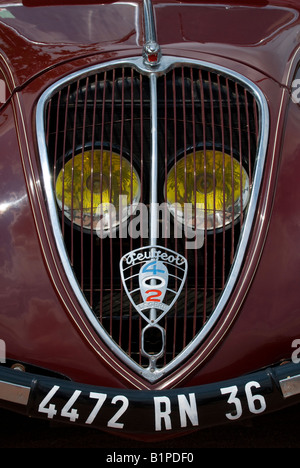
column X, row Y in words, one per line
column 111, row 109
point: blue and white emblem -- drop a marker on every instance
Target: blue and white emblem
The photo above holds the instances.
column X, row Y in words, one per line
column 153, row 278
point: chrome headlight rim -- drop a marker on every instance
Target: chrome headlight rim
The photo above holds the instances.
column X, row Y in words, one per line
column 90, row 147
column 233, row 220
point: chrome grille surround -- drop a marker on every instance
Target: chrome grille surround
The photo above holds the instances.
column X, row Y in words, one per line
column 167, row 65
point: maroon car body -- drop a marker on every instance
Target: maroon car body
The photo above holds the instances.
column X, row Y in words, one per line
column 56, row 364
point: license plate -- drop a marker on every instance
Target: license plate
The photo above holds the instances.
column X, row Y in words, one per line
column 134, row 411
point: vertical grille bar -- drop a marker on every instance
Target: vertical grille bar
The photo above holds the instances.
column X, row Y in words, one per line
column 121, row 180
column 231, row 154
column 64, row 141
column 101, row 253
column 175, row 163
column 214, row 197
column 203, row 116
column 72, row 184
column 92, row 195
column 56, row 135
column 248, row 136
column 129, row 344
column 81, row 184
column 220, row 108
column 142, row 197
column 240, row 149
column 184, row 328
column 194, row 201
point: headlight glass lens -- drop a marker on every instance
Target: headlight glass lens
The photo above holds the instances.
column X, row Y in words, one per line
column 95, row 186
column 214, row 183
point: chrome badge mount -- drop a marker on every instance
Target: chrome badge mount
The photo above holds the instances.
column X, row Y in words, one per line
column 153, row 278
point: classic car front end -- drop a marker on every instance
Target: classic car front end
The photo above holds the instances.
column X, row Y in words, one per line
column 149, row 212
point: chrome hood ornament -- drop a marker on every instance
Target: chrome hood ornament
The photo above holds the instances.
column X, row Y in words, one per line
column 151, row 51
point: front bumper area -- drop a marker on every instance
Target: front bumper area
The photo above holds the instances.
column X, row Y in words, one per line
column 135, row 412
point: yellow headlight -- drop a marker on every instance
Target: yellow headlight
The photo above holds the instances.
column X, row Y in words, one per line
column 212, row 181
column 95, row 179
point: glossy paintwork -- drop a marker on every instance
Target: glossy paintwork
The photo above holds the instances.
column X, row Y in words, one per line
column 253, row 36
column 40, row 320
column 35, row 39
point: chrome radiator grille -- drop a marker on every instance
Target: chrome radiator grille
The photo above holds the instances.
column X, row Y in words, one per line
column 109, row 110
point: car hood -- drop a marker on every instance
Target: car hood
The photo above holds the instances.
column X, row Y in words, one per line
column 38, row 35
